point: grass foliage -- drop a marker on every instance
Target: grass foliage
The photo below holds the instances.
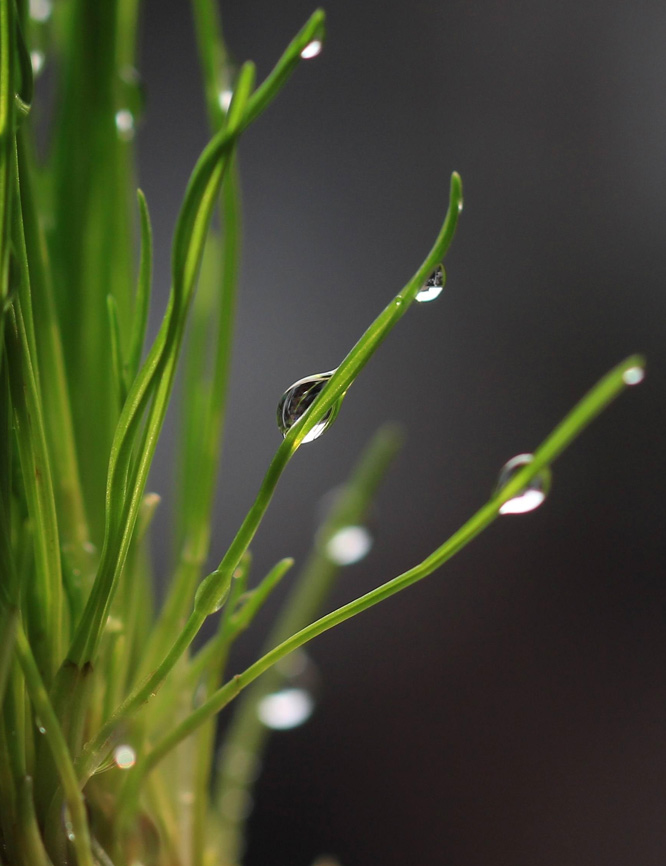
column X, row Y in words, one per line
column 107, row 729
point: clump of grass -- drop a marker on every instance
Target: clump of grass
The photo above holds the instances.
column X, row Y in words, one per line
column 107, row 737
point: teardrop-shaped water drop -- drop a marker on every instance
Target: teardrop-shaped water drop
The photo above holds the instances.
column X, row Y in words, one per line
column 37, row 60
column 298, row 398
column 432, row 288
column 38, row 724
column 532, row 495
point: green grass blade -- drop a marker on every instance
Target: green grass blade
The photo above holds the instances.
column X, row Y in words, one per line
column 56, row 741
column 143, row 291
column 574, row 423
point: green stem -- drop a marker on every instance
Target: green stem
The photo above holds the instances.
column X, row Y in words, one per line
column 580, row 416
column 79, row 834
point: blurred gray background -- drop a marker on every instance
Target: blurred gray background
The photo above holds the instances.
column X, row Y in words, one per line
column 512, row 707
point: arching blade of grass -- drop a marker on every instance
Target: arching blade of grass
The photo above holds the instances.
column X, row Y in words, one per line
column 606, row 390
column 336, row 387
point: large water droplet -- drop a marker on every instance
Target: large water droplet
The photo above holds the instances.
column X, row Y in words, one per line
column 531, row 496
column 633, row 375
column 349, row 544
column 312, row 49
column 125, row 124
column 432, row 288
column 224, row 98
column 285, row 709
column 297, row 399
column 124, row 757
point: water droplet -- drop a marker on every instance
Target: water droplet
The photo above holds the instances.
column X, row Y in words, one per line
column 40, row 10
column 285, row 709
column 89, row 548
column 633, row 375
column 124, row 756
column 432, row 288
column 37, row 59
column 297, row 399
column 312, row 49
column 38, row 724
column 224, row 98
column 125, row 124
column 349, row 544
column 460, row 205
column 535, row 492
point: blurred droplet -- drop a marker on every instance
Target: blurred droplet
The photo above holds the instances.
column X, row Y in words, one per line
column 633, row 375
column 125, row 124
column 298, row 398
column 349, row 544
column 40, row 10
column 241, row 764
column 531, row 496
column 285, row 709
column 432, row 288
column 312, row 49
column 37, row 59
column 224, row 98
column 124, row 757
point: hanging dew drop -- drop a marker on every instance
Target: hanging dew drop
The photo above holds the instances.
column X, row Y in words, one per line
column 297, row 399
column 531, row 496
column 40, row 10
column 432, row 288
column 37, row 61
column 38, row 724
column 224, row 98
column 633, row 376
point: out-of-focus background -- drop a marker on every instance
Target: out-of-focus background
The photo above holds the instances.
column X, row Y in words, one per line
column 511, row 708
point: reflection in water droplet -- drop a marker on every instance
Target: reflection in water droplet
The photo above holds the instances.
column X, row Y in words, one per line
column 432, row 288
column 633, row 375
column 124, row 756
column 125, row 124
column 40, row 10
column 37, row 61
column 535, row 492
column 349, row 544
column 312, row 49
column 285, row 709
column 298, row 398
column 224, row 99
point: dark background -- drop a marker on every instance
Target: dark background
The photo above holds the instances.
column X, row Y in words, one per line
column 511, row 708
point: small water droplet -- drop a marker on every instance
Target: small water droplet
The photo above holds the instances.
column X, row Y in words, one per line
column 298, row 398
column 125, row 124
column 633, row 375
column 89, row 548
column 38, row 724
column 124, row 757
column 285, row 709
column 312, row 49
column 37, row 59
column 535, row 492
column 40, row 10
column 460, row 205
column 432, row 288
column 349, row 544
